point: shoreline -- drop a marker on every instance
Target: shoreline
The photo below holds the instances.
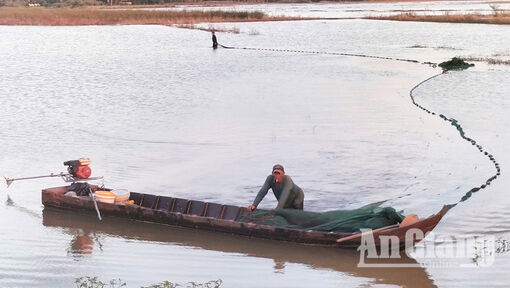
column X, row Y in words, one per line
column 144, row 15
column 500, row 18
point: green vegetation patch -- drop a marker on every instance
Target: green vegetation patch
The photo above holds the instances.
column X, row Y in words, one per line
column 455, row 64
column 95, row 282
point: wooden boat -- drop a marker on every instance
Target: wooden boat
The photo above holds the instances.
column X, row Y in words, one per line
column 221, row 218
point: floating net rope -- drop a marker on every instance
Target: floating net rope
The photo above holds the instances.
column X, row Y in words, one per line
column 330, row 53
column 462, row 134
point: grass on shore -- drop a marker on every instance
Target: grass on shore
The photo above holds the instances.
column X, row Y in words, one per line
column 496, row 18
column 209, row 28
column 489, row 60
column 94, row 16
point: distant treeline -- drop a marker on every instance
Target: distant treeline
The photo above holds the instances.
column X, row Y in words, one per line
column 76, row 3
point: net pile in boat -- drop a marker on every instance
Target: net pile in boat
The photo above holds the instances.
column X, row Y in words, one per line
column 371, row 216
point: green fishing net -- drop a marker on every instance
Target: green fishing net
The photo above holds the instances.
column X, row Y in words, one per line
column 371, row 216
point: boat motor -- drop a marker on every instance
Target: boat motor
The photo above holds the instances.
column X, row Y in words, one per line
column 79, row 169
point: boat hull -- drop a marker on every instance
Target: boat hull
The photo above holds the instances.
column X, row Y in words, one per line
column 213, row 216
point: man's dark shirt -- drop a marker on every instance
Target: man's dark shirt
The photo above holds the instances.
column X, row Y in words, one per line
column 284, row 192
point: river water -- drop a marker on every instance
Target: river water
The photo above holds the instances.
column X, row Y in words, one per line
column 158, row 111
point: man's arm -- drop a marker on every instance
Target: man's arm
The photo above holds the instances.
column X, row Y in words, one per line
column 263, row 191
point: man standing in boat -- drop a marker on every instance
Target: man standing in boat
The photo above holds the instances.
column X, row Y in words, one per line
column 214, row 41
column 288, row 194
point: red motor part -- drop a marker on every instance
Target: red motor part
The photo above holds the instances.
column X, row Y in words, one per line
column 79, row 168
column 83, row 172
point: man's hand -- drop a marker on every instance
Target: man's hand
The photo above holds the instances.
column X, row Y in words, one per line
column 251, row 208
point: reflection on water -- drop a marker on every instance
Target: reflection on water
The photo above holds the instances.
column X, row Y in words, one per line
column 81, row 243
column 281, row 253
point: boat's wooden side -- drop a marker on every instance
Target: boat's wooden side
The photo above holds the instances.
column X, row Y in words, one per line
column 187, row 213
column 217, row 217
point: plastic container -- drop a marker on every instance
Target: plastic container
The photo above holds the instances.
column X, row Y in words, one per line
column 121, row 195
column 105, row 196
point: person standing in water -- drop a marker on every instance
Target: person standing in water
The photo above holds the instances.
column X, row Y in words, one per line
column 288, row 194
column 214, row 41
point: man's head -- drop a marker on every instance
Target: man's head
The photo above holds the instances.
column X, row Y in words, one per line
column 212, row 32
column 278, row 172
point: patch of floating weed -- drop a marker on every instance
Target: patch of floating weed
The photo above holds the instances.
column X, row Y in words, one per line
column 167, row 284
column 447, row 48
column 418, row 46
column 434, row 47
column 94, row 282
column 455, row 64
column 209, row 28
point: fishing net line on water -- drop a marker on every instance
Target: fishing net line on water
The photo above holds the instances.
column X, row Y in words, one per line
column 462, row 133
column 330, row 53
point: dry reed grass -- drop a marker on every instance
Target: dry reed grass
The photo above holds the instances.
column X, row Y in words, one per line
column 497, row 18
column 210, row 28
column 491, row 61
column 94, row 16
column 442, row 47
